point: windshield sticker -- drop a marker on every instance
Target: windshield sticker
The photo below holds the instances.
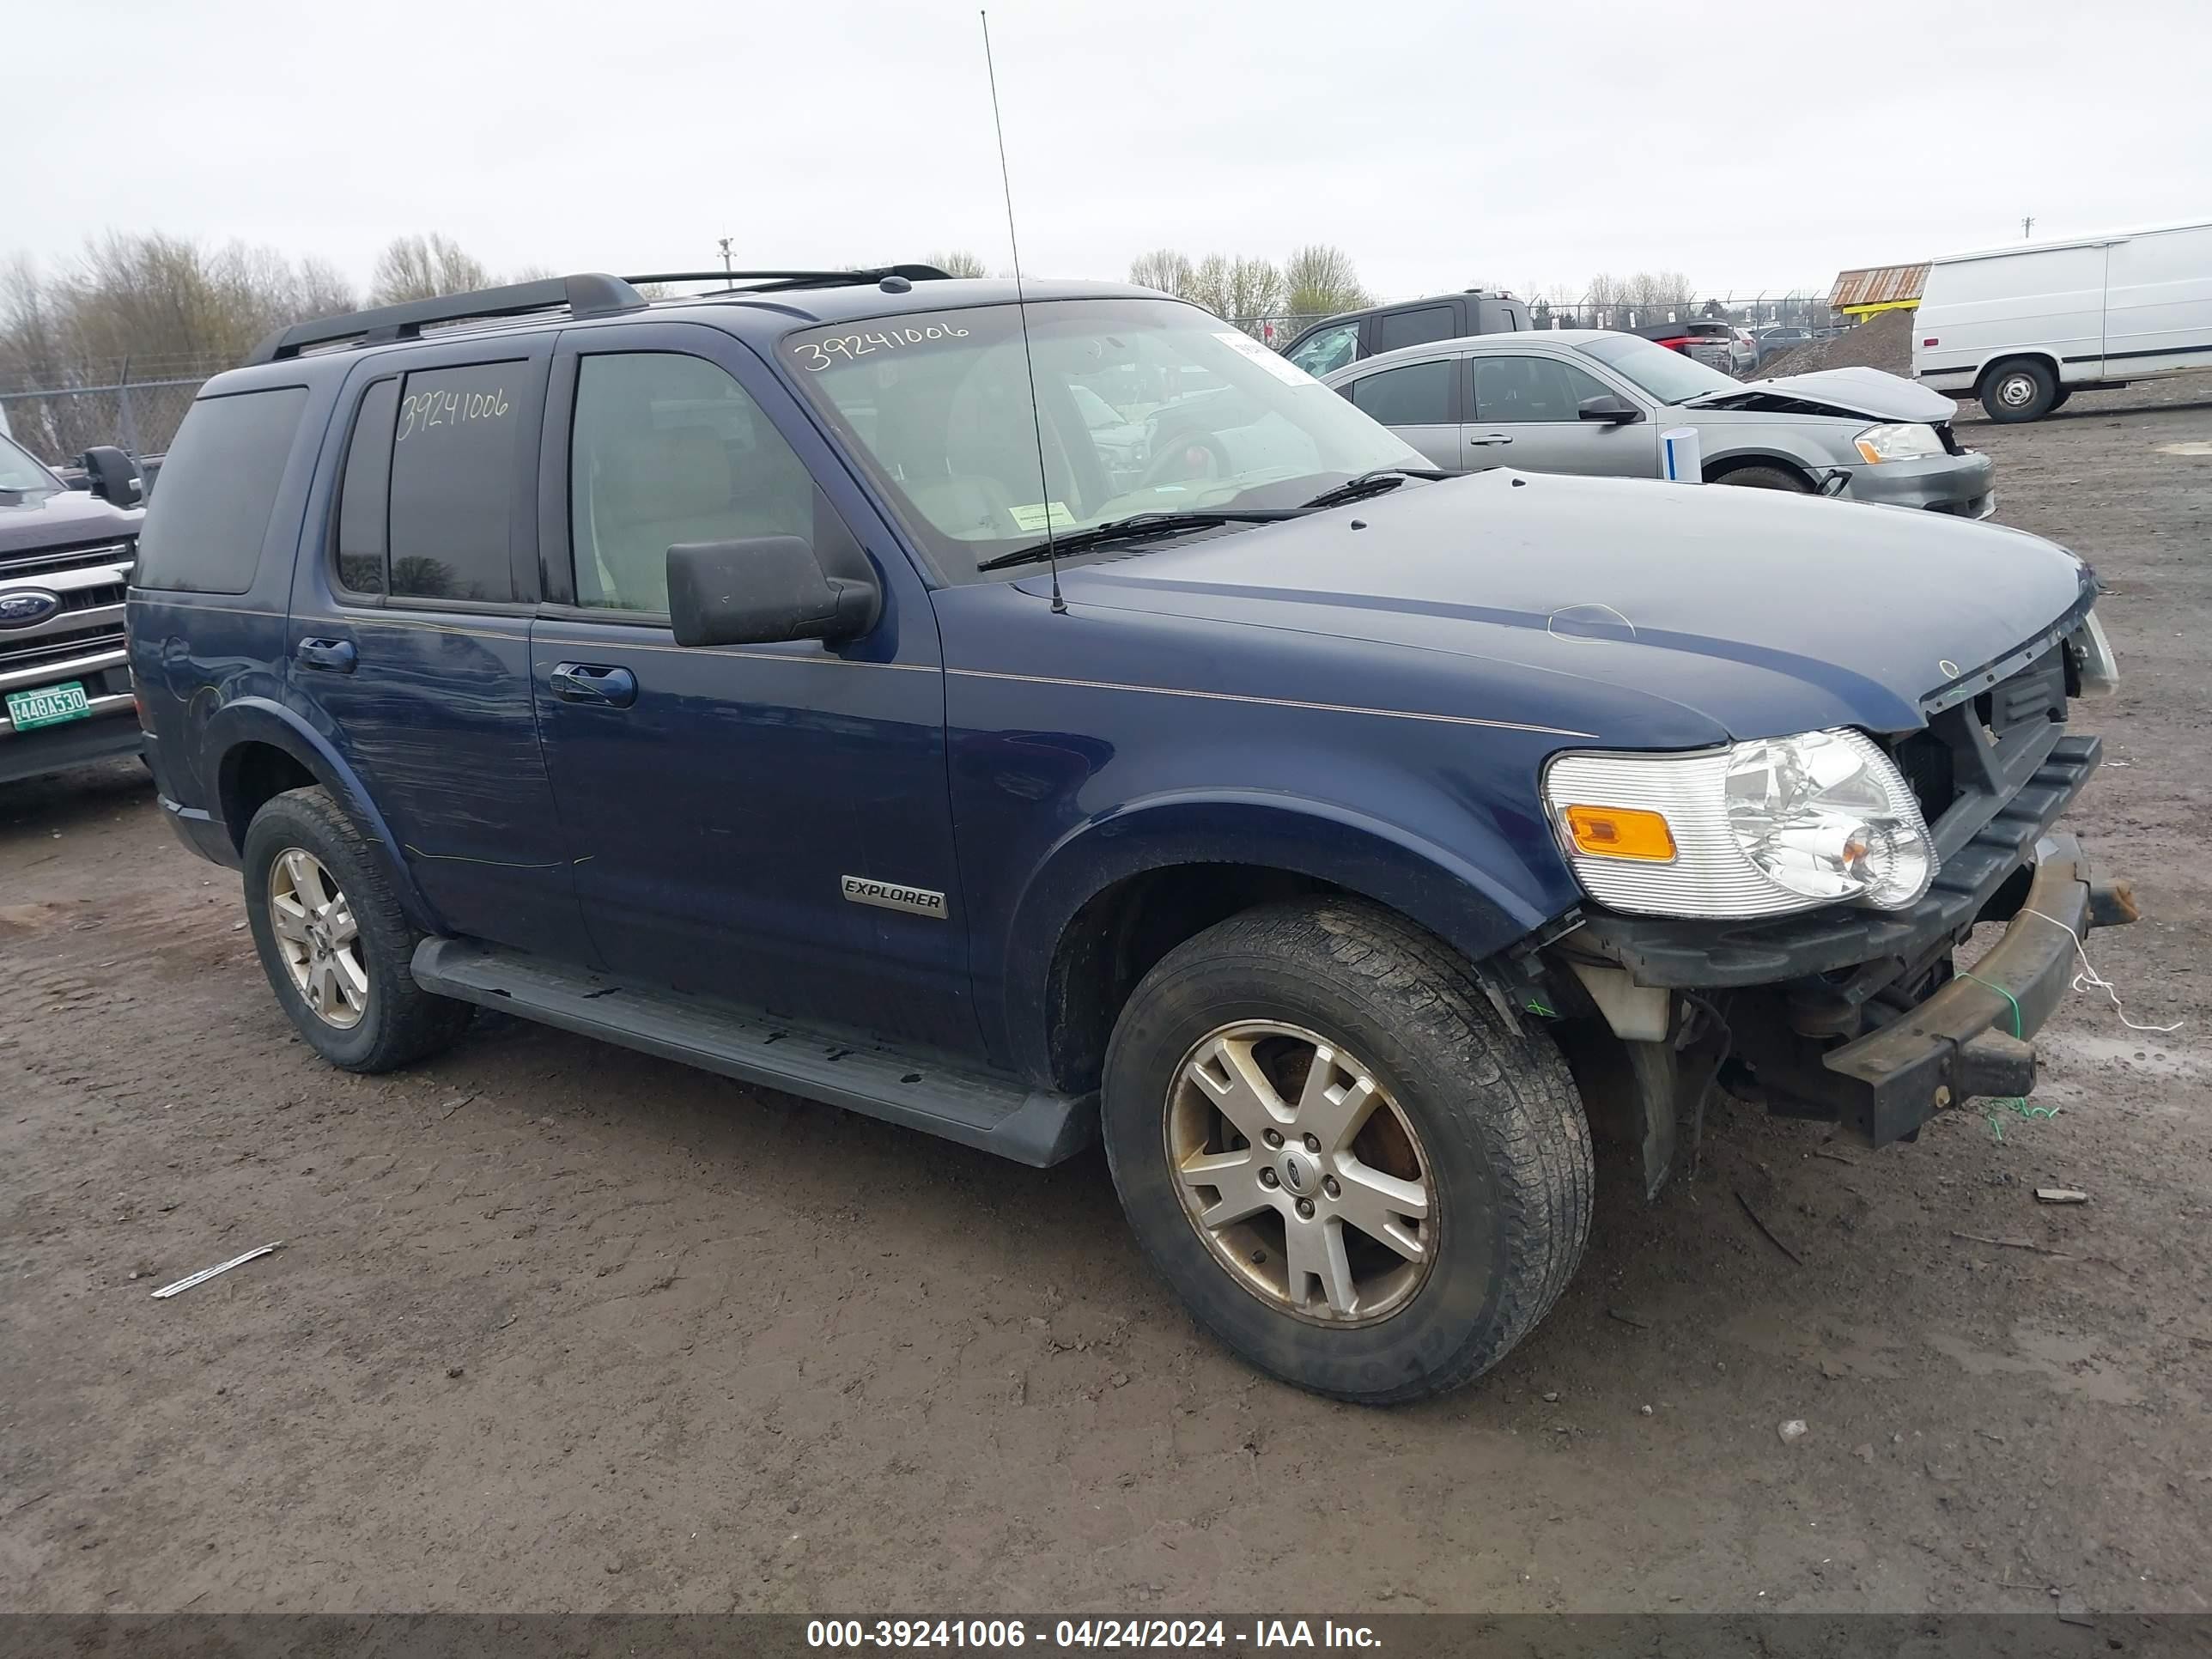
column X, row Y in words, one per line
column 1276, row 365
column 815, row 356
column 1033, row 517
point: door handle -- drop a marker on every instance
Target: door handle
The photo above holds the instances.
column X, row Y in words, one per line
column 596, row 683
column 336, row 655
column 1489, row 438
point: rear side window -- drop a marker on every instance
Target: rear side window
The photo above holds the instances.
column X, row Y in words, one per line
column 1409, row 328
column 1419, row 394
column 453, row 482
column 206, row 524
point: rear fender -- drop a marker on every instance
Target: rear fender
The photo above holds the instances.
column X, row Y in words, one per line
column 247, row 720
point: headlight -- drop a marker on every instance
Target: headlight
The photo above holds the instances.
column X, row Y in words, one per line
column 1756, row 829
column 1906, row 441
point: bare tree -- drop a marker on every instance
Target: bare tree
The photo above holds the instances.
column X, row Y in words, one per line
column 1210, row 284
column 1167, row 270
column 142, row 307
column 1319, row 279
column 1254, row 290
column 423, row 267
column 960, row 263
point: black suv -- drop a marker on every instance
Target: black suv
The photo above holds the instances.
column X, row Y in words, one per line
column 1332, row 342
column 65, row 559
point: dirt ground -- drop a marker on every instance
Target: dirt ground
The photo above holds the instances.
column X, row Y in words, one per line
column 1882, row 342
column 556, row 1327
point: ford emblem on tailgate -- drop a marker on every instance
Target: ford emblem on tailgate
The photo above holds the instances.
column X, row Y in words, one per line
column 25, row 605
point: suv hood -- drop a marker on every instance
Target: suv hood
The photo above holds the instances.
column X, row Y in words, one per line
column 1748, row 612
column 1848, row 392
column 59, row 518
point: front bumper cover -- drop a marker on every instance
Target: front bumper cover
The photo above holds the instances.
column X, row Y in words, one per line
column 1963, row 484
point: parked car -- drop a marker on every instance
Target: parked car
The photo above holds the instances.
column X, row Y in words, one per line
column 773, row 682
column 1708, row 343
column 1351, row 335
column 2023, row 328
column 1773, row 341
column 66, row 556
column 1584, row 400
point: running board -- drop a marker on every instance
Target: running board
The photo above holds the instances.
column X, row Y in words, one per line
column 924, row 1092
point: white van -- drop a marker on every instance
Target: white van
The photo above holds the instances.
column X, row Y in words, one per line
column 2022, row 328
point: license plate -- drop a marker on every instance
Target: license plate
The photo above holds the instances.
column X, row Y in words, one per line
column 50, row 705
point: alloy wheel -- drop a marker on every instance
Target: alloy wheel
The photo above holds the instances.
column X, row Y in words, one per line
column 1307, row 1180
column 317, row 937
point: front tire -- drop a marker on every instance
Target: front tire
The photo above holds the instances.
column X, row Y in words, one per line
column 1353, row 1171
column 334, row 941
column 2024, row 389
column 1764, row 477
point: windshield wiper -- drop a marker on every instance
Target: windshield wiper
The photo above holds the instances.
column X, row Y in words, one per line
column 1372, row 483
column 1136, row 527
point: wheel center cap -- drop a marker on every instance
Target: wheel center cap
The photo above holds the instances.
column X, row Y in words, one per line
column 1300, row 1173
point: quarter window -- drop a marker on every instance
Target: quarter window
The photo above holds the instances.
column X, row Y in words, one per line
column 667, row 449
column 1531, row 389
column 454, row 457
column 1419, row 394
column 218, row 491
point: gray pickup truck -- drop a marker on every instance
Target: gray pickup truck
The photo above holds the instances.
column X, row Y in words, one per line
column 66, row 562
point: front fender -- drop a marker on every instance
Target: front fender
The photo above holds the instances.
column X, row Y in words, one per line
column 244, row 721
column 1479, row 895
column 1774, row 445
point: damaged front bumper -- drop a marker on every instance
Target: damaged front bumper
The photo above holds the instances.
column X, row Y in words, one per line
column 1963, row 485
column 1970, row 1037
column 1856, row 1016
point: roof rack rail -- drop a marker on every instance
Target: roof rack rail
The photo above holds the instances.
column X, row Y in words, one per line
column 589, row 294
column 762, row 282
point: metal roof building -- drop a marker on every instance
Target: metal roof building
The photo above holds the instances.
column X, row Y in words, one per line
column 1863, row 292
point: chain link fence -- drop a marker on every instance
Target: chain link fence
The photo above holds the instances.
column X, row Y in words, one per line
column 134, row 406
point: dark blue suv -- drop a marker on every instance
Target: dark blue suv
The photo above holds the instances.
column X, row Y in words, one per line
column 1037, row 721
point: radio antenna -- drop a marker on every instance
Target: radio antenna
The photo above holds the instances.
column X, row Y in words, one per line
column 1022, row 311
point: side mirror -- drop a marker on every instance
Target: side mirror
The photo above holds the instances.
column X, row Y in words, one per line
column 114, row 475
column 1608, row 408
column 762, row 590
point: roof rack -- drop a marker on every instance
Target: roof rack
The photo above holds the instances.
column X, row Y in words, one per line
column 767, row 281
column 590, row 294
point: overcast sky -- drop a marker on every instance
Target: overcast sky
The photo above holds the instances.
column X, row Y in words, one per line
column 1753, row 145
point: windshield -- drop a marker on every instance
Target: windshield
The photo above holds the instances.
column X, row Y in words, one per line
column 938, row 404
column 19, row 471
column 1667, row 376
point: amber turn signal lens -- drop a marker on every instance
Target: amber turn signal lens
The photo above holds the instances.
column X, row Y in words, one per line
column 1621, row 832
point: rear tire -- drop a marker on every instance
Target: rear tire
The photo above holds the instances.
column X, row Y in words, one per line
column 1443, row 1201
column 1764, row 477
column 2023, row 389
column 334, row 941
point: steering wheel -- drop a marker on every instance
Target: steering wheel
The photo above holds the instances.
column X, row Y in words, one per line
column 1191, row 456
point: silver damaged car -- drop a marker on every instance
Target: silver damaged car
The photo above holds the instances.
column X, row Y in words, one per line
column 1587, row 400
